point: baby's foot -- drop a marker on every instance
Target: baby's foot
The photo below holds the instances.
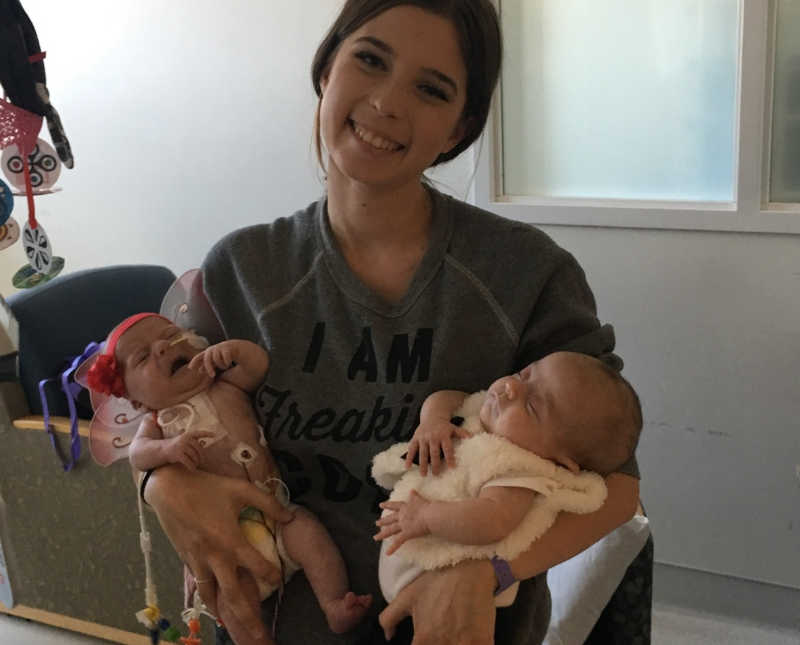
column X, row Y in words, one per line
column 345, row 613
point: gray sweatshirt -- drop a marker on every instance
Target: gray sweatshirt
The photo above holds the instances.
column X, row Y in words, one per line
column 349, row 372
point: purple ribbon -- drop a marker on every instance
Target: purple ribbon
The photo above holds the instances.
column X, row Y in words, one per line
column 71, row 391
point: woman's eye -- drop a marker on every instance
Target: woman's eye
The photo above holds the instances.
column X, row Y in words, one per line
column 370, row 59
column 435, row 92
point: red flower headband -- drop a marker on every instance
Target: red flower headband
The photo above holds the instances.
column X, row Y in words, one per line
column 104, row 375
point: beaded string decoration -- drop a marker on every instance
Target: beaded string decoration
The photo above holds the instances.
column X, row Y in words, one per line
column 157, row 625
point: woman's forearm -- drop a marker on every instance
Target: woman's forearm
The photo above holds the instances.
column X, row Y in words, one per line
column 146, row 453
column 572, row 533
column 164, row 479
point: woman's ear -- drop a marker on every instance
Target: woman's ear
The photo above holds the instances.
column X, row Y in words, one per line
column 459, row 132
column 324, row 77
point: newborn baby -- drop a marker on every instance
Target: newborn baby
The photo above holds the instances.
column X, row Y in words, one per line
column 202, row 417
column 524, row 453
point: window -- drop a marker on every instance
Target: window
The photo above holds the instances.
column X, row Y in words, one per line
column 785, row 142
column 647, row 113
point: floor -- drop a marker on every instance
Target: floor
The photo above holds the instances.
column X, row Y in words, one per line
column 674, row 626
column 671, row 626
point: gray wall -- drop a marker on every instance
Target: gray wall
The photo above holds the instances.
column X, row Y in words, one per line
column 708, row 326
column 188, row 119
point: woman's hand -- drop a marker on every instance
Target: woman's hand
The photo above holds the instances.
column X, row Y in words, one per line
column 452, row 606
column 235, row 629
column 199, row 513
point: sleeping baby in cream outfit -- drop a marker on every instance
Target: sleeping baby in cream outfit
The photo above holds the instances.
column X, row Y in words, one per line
column 501, row 477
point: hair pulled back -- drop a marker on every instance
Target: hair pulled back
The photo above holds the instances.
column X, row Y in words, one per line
column 478, row 29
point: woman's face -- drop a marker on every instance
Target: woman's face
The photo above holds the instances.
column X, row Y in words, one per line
column 393, row 97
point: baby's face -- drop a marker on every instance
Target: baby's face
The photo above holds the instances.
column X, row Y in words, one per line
column 528, row 408
column 154, row 360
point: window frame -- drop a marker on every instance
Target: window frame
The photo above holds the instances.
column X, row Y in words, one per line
column 749, row 211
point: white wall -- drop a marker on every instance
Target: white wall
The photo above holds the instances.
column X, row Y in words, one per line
column 187, row 121
column 708, row 324
column 179, row 113
column 187, row 118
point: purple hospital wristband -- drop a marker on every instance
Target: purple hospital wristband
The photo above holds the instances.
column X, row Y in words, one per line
column 505, row 578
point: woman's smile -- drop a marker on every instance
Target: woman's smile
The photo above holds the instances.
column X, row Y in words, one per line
column 373, row 139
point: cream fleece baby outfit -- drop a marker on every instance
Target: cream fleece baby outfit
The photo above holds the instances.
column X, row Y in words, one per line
column 482, row 460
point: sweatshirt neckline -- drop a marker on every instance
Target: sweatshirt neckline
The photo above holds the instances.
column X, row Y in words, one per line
column 357, row 291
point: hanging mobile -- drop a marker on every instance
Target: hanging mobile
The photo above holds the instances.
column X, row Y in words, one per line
column 19, row 128
column 35, row 240
column 43, row 163
column 37, row 248
column 28, row 162
column 9, row 233
column 6, row 202
column 9, row 229
column 27, row 277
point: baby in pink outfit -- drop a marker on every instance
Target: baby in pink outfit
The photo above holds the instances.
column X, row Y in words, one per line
column 202, row 417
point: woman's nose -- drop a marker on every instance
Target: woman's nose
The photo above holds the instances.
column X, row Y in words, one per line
column 387, row 98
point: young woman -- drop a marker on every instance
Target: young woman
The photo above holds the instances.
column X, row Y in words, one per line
column 373, row 297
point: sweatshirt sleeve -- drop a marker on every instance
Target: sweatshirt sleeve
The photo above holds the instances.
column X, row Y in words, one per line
column 227, row 269
column 564, row 318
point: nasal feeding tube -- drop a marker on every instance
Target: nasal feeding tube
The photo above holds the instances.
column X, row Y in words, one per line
column 198, row 342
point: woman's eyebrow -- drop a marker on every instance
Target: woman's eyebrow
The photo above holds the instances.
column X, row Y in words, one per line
column 385, row 47
column 377, row 42
column 444, row 78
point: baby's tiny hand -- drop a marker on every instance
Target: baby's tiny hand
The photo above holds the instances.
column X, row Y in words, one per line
column 434, row 440
column 221, row 356
column 407, row 521
column 186, row 449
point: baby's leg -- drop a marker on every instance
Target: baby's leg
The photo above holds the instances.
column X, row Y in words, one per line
column 308, row 543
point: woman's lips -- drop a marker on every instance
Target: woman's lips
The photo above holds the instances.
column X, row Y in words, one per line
column 377, row 141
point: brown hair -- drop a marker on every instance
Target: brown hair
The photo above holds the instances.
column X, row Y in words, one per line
column 481, row 45
column 612, row 438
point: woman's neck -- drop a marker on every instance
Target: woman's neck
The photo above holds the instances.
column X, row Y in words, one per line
column 368, row 217
column 382, row 234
